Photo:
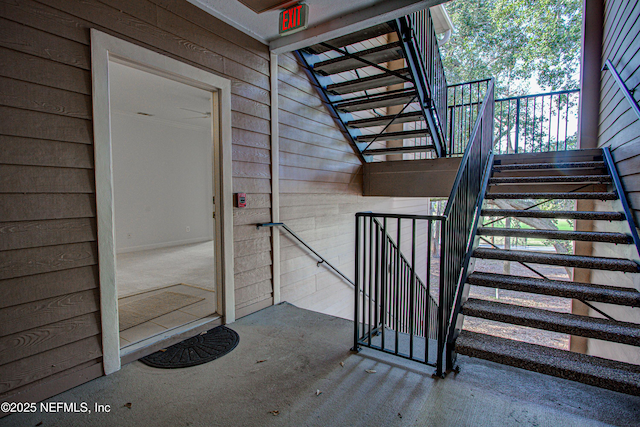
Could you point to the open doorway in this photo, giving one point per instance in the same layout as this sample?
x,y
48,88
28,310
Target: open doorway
x,y
162,138
162,155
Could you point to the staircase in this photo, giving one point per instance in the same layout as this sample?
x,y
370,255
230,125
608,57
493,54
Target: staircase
x,y
383,91
571,175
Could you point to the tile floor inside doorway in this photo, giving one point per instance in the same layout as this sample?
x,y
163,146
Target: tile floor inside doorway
x,y
187,269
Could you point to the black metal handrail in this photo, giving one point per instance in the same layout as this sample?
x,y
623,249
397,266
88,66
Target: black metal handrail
x,y
608,65
617,184
323,260
422,54
461,218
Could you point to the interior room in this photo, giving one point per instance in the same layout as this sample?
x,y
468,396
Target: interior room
x,y
162,156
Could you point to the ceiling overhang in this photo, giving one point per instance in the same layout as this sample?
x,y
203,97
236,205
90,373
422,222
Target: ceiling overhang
x,y
355,21
328,19
259,6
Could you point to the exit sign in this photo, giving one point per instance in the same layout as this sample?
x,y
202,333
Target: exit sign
x,y
294,19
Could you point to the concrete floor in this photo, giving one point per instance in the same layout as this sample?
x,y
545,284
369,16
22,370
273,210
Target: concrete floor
x,y
286,354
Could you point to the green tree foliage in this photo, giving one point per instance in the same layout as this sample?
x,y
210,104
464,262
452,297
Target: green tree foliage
x,y
515,41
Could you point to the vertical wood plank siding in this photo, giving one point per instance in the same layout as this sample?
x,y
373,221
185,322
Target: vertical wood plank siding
x,y
49,298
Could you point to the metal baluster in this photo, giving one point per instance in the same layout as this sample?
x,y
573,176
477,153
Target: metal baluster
x,y
384,279
550,110
566,123
558,125
462,119
378,276
500,125
357,286
541,123
427,298
398,238
371,270
517,124
412,286
526,124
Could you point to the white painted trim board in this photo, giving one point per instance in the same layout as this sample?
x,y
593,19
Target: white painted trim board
x,y
105,48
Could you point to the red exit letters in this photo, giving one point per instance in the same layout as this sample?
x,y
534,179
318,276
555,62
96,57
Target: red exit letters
x,y
294,19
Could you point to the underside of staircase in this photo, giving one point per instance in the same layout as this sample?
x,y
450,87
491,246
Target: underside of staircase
x,y
534,178
372,82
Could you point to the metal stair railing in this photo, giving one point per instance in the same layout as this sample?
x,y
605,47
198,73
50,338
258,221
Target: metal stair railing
x,y
323,260
617,184
420,46
534,123
394,309
608,65
422,290
611,165
459,226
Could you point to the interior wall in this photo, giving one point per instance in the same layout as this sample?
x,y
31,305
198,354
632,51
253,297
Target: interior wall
x,y
619,129
320,193
162,177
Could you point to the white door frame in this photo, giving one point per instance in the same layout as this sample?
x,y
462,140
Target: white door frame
x,y
106,48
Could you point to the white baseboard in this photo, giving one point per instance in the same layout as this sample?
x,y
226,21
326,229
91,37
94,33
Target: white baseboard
x,y
164,245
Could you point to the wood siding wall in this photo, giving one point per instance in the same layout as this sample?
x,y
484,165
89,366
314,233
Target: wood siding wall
x,y
320,192
620,130
619,124
49,298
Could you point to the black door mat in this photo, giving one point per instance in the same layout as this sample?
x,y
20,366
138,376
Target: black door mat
x,y
194,351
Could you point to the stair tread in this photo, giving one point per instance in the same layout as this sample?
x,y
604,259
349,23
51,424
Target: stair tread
x,y
369,82
554,179
413,116
398,150
563,165
564,289
567,323
587,236
368,103
531,213
378,54
349,39
417,133
598,263
592,370
596,195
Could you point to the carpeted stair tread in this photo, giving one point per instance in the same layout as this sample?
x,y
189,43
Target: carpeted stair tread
x,y
531,213
595,195
585,236
563,165
598,263
550,179
565,323
596,371
578,290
